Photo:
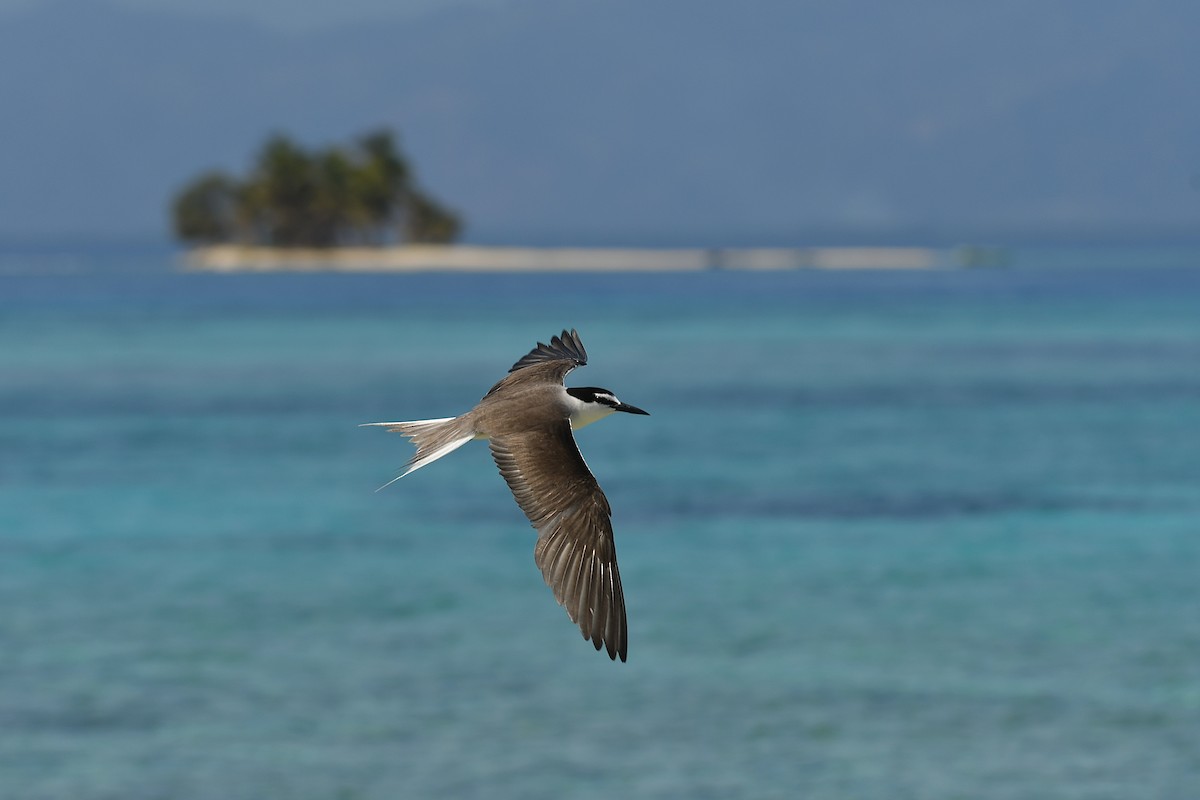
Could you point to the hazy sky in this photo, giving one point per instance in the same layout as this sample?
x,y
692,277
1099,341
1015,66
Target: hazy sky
x,y
292,15
617,121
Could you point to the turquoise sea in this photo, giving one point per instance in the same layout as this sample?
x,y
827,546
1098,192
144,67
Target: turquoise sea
x,y
886,535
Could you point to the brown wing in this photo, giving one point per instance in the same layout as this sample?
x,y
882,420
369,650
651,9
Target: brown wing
x,y
546,362
575,548
567,347
534,375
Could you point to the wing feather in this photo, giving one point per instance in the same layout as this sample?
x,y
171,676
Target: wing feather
x,y
600,601
567,347
575,550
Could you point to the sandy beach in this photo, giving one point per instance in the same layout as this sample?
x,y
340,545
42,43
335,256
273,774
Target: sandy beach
x,y
476,258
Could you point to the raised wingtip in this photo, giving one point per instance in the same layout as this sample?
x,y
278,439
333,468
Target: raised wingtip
x,y
565,347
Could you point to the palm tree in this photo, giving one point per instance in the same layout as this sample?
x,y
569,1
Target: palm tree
x,y
289,191
382,182
334,204
204,210
426,222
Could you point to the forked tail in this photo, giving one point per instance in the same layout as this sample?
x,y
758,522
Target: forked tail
x,y
434,438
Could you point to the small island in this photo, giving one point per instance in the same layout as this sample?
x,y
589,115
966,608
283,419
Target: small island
x,y
361,195
358,208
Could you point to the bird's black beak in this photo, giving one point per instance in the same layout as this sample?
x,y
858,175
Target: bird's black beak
x,y
628,409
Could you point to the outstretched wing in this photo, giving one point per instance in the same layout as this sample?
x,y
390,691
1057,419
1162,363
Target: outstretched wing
x,y
575,549
567,347
546,362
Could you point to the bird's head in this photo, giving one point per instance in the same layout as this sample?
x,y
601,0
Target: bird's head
x,y
591,403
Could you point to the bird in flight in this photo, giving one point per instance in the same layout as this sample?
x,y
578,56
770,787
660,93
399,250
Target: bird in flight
x,y
527,419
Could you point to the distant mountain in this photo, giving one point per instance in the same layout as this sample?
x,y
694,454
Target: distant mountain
x,y
640,121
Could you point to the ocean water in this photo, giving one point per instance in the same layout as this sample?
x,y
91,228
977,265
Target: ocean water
x,y
884,536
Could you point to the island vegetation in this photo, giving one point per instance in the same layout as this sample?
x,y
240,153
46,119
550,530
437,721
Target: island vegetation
x,y
363,194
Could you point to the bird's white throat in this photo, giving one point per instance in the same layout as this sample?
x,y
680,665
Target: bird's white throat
x,y
582,413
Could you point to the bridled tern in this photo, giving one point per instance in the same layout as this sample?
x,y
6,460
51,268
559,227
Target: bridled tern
x,y
527,419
